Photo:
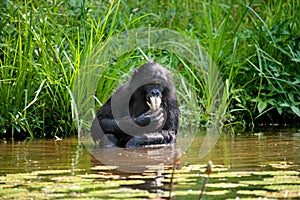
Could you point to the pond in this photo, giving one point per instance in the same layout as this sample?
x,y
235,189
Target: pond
x,y
256,165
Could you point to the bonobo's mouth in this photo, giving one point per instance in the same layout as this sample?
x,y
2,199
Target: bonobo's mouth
x,y
154,103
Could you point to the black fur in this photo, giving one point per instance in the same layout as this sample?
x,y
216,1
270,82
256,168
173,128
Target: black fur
x,y
140,126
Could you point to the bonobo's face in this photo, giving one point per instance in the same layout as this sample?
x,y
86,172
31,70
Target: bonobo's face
x,y
154,96
154,90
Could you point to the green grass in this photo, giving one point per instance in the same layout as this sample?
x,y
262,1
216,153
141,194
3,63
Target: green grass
x,y
254,44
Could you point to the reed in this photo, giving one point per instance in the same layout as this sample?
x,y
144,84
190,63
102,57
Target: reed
x,y
254,44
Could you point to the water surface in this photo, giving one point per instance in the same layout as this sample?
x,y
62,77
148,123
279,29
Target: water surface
x,y
149,170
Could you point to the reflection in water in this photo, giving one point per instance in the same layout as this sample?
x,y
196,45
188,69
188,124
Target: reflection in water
x,y
136,160
150,162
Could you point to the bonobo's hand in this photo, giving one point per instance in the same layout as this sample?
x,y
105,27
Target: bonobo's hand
x,y
155,118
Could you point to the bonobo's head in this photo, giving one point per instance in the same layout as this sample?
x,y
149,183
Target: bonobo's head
x,y
155,80
151,72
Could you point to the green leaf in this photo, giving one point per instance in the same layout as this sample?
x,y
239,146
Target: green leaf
x,y
291,97
17,127
296,110
261,106
284,104
279,110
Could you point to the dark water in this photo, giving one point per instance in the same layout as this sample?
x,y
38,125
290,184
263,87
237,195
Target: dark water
x,y
243,152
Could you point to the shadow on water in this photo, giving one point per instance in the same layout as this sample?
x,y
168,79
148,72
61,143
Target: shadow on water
x,y
261,164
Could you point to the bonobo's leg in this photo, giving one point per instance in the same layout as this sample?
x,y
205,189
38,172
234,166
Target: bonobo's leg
x,y
161,137
113,133
156,118
108,140
109,125
100,128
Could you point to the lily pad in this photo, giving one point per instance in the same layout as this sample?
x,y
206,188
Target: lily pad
x,y
68,179
130,182
225,185
187,192
252,192
100,176
126,193
284,187
8,191
282,165
19,176
103,168
51,172
6,186
201,168
255,182
284,180
276,173
230,174
217,192
142,177
121,193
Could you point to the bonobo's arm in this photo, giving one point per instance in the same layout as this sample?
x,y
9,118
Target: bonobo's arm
x,y
156,118
119,137
167,134
110,125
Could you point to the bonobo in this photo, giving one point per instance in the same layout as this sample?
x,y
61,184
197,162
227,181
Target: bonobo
x,y
142,112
